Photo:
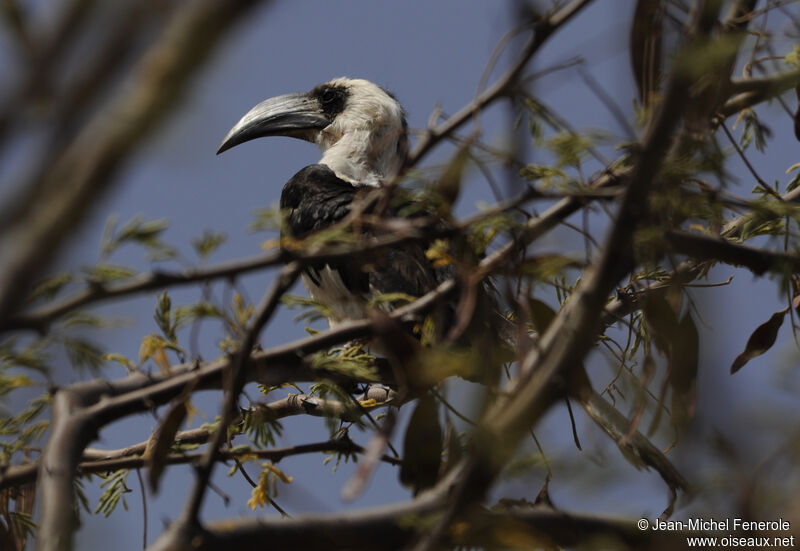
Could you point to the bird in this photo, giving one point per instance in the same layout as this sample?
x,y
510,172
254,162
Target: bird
x,y
362,132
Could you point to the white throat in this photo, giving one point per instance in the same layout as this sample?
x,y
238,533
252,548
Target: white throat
x,y
363,157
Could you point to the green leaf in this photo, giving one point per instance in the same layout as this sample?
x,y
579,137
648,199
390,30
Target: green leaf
x,y
793,183
208,243
80,493
50,287
569,148
550,176
541,314
83,354
267,219
33,356
83,319
313,309
24,527
196,311
120,359
327,389
163,316
352,362
754,131
115,489
390,299
137,230
548,266
100,274
261,426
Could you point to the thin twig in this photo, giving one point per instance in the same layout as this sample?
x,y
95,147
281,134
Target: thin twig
x,y
144,508
236,380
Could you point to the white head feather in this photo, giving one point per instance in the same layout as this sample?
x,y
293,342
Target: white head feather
x,y
366,143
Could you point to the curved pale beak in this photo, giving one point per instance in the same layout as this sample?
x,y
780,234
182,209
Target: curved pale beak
x,y
293,115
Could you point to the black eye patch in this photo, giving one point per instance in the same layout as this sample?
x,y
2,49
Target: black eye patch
x,y
331,98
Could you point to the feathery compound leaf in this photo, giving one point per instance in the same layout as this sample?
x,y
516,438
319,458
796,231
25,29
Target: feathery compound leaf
x,y
83,354
199,310
261,426
753,131
353,362
312,309
326,389
23,524
207,243
100,274
569,148
163,316
115,489
50,287
550,176
390,299
33,356
761,340
136,230
268,219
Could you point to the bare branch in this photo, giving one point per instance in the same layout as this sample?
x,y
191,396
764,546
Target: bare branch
x,y
707,247
236,378
542,31
87,168
758,90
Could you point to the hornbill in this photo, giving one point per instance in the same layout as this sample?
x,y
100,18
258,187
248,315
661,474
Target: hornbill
x,y
362,132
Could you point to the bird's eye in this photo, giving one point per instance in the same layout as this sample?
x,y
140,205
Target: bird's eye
x,y
328,96
331,99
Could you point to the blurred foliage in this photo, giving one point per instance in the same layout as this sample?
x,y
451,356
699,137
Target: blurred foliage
x,y
653,350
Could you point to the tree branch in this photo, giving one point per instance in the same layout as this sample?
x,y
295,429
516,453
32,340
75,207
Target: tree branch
x,y
88,166
396,526
543,30
707,247
236,378
562,347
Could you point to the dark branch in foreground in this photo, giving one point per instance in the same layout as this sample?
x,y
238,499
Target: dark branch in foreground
x,y
87,168
754,259
397,526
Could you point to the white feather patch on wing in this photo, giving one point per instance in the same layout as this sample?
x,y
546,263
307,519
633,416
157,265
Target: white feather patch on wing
x,y
333,293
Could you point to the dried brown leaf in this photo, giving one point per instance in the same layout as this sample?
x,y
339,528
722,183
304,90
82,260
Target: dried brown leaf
x,y
156,460
422,447
761,340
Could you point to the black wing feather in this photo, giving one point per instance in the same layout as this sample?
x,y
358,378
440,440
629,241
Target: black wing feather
x,y
316,198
